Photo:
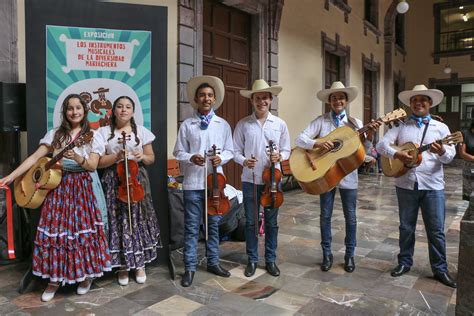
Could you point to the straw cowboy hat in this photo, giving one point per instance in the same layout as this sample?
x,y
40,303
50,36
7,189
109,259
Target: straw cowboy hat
x,y
260,85
338,86
434,94
214,82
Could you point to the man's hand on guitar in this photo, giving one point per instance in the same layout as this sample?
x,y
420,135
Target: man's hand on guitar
x,y
250,163
373,127
197,160
403,156
437,148
325,145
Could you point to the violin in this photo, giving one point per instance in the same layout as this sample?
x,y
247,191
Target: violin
x,y
272,196
130,189
217,202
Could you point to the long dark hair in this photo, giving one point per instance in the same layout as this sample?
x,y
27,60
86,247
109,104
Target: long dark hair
x,y
62,135
113,119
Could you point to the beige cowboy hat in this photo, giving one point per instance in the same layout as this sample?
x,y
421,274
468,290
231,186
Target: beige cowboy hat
x,y
260,85
420,89
214,82
338,86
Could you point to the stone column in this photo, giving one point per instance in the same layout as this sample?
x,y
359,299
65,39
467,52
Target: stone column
x,y
465,279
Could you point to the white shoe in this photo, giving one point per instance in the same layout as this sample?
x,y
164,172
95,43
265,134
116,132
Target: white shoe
x,y
123,277
141,279
49,292
84,286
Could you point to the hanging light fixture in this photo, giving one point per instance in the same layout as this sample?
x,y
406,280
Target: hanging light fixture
x,y
402,7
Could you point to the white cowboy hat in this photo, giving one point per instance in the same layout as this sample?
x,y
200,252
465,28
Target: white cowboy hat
x,y
338,86
260,85
214,82
420,89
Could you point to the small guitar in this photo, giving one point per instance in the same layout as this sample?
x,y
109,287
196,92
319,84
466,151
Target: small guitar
x,y
32,187
396,168
319,171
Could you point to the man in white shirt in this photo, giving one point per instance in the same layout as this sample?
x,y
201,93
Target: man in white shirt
x,y
196,136
251,140
338,97
423,186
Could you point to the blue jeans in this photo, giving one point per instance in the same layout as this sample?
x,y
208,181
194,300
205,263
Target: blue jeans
x,y
432,207
349,204
271,226
193,214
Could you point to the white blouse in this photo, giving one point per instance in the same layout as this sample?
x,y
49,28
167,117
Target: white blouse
x,y
95,146
113,146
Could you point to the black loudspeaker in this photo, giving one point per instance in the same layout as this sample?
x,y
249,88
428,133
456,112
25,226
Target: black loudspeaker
x,y
12,106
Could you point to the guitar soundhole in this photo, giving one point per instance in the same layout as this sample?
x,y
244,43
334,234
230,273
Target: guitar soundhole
x,y
37,175
337,145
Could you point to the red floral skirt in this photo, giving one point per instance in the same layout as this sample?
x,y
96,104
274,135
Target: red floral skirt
x,y
71,244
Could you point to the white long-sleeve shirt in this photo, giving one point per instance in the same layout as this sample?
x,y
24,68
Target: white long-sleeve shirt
x,y
252,138
429,174
322,126
193,140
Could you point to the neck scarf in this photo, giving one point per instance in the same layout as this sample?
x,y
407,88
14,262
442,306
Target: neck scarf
x,y
420,120
206,119
337,118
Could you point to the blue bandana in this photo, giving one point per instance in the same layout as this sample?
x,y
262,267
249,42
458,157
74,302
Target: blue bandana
x,y
337,118
206,119
420,120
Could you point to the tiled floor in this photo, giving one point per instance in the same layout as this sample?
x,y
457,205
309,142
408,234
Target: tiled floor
x,y
302,287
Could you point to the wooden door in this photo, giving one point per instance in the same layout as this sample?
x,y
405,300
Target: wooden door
x,y
226,54
450,108
332,72
368,96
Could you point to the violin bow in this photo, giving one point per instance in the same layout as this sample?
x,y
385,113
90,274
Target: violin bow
x,y
255,203
205,195
124,135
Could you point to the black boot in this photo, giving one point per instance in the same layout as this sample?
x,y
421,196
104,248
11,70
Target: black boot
x,y
349,264
327,263
218,270
187,279
272,268
250,269
399,270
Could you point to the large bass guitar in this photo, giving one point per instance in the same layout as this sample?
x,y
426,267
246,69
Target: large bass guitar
x,y
32,187
396,168
318,170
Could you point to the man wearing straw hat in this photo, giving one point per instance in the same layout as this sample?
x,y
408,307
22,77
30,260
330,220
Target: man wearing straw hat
x,y
196,136
251,139
423,186
338,97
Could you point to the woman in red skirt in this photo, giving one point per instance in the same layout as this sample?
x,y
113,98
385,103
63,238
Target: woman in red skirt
x,y
71,245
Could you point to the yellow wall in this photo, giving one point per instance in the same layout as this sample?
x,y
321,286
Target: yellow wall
x,y
420,46
172,116
301,62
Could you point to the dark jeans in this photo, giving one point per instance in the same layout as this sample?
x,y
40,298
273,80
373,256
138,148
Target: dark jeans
x,y
193,213
271,226
432,207
349,204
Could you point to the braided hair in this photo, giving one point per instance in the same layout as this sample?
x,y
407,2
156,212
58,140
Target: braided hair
x,y
62,135
113,119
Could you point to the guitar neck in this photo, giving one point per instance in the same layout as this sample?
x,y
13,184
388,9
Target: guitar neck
x,y
59,156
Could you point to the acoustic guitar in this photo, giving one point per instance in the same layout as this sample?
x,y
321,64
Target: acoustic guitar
x,y
396,168
32,187
319,171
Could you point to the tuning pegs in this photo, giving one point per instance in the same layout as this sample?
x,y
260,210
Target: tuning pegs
x,y
396,123
389,125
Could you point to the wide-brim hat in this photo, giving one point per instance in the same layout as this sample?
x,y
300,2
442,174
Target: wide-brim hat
x,y
434,94
101,90
214,82
337,86
261,85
